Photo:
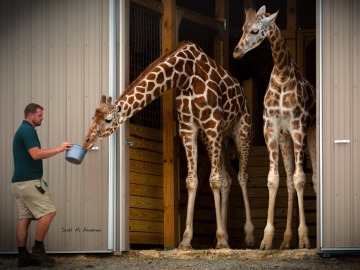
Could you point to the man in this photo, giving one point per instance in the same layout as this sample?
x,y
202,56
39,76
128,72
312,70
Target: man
x,y
30,190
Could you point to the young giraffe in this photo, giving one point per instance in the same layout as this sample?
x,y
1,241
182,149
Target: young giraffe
x,y
208,99
289,119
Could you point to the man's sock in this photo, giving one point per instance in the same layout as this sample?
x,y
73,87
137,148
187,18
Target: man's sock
x,y
39,243
22,249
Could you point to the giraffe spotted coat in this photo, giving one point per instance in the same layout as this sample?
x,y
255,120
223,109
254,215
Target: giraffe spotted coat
x,y
289,120
209,101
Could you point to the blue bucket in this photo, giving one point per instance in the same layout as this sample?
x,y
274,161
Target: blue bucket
x,y
76,154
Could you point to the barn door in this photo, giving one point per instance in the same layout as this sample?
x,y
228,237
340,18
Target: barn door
x,y
52,53
339,164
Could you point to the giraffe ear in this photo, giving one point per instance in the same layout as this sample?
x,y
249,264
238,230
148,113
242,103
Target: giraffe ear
x,y
270,19
261,10
117,108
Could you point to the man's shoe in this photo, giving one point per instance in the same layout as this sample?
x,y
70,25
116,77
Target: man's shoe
x,y
25,259
39,253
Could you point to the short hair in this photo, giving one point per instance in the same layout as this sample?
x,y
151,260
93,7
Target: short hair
x,y
32,108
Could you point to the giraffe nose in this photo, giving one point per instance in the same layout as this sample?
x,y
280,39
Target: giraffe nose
x,y
238,53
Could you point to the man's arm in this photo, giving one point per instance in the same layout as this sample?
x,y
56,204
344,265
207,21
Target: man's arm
x,y
37,153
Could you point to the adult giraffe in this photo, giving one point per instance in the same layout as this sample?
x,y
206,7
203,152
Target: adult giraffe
x,y
289,119
208,99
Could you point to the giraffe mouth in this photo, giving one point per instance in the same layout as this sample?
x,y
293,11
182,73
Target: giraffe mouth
x,y
87,144
238,53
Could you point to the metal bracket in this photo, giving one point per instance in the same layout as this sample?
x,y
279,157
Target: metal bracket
x,y
130,143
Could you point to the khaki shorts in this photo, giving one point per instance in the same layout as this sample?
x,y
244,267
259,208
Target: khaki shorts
x,y
31,202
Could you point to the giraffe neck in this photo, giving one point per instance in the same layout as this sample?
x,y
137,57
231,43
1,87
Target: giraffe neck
x,y
160,76
283,62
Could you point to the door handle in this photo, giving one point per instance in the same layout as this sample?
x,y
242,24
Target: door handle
x,y
341,141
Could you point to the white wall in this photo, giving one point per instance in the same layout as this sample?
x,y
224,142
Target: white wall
x,y
340,81
55,53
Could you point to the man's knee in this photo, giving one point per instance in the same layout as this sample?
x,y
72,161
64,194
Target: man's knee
x,y
53,214
49,216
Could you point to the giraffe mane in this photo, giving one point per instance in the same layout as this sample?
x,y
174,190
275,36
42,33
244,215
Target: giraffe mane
x,y
151,67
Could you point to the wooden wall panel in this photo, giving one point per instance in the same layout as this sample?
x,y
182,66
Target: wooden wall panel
x,y
146,215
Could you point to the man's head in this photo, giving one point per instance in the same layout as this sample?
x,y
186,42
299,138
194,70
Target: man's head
x,y
34,114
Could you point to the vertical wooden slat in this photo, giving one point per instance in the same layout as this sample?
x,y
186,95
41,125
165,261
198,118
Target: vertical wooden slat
x,y
170,182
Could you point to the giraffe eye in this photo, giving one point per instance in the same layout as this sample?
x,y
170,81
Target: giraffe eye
x,y
108,120
254,31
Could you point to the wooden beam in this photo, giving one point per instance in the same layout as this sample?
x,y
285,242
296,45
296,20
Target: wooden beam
x,y
199,18
169,30
222,15
153,5
291,25
291,14
249,4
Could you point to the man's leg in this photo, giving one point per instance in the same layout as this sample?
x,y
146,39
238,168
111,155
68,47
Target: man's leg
x,y
38,250
43,226
22,231
24,258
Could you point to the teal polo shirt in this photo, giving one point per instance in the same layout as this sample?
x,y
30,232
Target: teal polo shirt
x,y
25,168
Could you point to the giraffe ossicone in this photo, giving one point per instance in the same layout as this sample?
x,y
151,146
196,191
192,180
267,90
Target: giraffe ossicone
x,y
209,100
289,120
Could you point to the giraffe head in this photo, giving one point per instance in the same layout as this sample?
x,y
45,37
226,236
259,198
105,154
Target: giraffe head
x,y
106,121
255,30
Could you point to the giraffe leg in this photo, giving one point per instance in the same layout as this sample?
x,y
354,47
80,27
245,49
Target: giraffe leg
x,y
248,227
225,190
190,144
221,234
299,182
269,232
220,183
271,138
242,138
191,184
287,150
311,141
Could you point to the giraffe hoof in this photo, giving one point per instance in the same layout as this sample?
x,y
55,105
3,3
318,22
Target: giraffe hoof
x,y
185,247
222,246
305,246
265,246
284,246
250,242
250,245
